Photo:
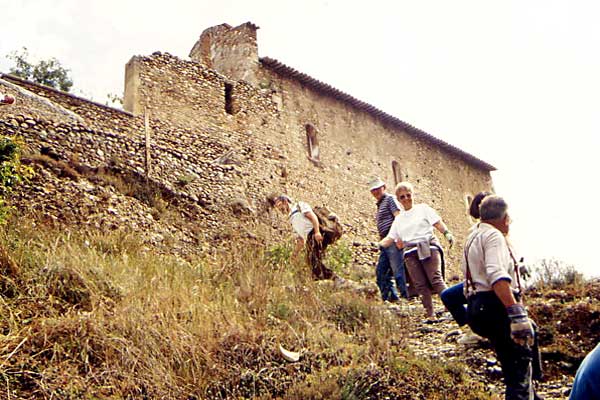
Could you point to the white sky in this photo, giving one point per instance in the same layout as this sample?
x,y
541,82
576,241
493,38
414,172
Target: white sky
x,y
516,83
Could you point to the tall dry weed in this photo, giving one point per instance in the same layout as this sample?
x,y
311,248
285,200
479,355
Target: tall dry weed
x,y
101,316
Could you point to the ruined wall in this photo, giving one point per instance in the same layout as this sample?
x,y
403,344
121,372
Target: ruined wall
x,y
187,93
231,51
95,115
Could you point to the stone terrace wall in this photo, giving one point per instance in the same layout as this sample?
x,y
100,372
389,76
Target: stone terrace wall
x,y
95,115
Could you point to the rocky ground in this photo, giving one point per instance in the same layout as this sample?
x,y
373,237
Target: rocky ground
x,y
568,320
438,342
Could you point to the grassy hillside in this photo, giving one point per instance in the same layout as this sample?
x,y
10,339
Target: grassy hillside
x,y
93,316
107,291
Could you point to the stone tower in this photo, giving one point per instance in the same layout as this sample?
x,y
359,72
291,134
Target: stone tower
x,y
230,51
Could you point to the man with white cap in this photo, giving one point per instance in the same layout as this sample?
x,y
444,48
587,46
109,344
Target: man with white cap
x,y
391,261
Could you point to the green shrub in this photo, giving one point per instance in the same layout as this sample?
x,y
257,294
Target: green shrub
x,y
12,172
279,255
338,256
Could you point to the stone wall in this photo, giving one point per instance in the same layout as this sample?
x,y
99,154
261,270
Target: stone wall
x,y
232,51
217,143
266,131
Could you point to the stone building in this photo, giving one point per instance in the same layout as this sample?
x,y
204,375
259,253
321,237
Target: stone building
x,y
317,142
226,128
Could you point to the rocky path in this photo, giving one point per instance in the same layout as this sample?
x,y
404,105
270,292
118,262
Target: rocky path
x,y
438,341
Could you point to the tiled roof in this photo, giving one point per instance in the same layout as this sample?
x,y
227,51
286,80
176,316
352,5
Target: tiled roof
x,y
329,90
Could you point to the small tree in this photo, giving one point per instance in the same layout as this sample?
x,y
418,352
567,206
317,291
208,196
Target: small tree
x,y
46,72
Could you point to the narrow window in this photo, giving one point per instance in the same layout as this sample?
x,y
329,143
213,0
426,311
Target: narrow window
x,y
228,98
397,172
313,143
468,200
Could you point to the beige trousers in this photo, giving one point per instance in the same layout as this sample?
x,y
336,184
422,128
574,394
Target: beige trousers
x,y
427,276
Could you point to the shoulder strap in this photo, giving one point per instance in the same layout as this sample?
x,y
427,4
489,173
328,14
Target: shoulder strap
x,y
515,266
468,277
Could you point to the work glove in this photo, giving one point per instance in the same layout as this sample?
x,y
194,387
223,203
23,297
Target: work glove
x,y
521,328
523,270
449,238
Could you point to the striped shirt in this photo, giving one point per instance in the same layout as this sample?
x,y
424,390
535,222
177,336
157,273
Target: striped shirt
x,y
386,207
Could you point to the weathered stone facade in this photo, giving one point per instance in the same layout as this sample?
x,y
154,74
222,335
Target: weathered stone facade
x,y
227,128
271,107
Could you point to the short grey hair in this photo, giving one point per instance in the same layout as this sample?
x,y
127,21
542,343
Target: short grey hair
x,y
493,207
404,185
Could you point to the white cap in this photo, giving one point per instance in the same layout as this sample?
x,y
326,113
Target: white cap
x,y
376,183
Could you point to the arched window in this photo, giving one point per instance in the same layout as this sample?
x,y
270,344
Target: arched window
x,y
397,173
313,143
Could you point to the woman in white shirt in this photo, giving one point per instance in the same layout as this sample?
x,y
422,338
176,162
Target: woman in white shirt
x,y
412,230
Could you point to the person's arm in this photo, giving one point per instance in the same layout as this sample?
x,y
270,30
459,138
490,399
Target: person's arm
x,y
441,226
521,328
504,292
386,242
315,223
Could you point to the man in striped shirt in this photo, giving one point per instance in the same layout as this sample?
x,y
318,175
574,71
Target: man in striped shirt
x,y
391,261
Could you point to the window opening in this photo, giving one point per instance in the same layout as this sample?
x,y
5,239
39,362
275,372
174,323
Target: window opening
x,y
229,98
397,172
468,200
313,143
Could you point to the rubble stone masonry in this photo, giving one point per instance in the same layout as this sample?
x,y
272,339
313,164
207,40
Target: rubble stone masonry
x,y
221,136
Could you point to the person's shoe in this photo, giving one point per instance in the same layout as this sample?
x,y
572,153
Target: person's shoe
x,y
470,337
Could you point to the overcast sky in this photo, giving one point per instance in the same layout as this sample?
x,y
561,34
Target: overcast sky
x,y
515,83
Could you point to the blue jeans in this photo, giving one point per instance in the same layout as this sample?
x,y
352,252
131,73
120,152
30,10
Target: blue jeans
x,y
587,379
391,265
455,301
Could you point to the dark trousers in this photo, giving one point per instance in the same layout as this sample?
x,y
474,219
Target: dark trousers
x,y
314,255
486,315
455,301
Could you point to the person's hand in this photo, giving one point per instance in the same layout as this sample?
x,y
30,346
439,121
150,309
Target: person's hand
x,y
449,238
319,237
399,244
521,328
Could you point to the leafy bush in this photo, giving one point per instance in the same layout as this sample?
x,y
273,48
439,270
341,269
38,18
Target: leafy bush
x,y
12,172
338,256
279,254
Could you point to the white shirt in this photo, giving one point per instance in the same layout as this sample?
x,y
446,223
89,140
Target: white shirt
x,y
489,258
301,225
415,224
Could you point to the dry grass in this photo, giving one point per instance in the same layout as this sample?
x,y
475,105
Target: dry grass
x,y
90,316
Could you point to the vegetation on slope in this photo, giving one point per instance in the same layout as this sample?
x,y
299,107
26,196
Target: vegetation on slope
x,y
91,316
